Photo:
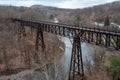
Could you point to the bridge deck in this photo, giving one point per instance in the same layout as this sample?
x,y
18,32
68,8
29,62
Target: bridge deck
x,y
91,35
38,24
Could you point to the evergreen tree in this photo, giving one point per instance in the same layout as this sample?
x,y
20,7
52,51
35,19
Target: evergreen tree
x,y
51,17
107,21
115,67
77,20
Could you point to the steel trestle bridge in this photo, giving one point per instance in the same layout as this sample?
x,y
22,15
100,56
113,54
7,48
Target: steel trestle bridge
x,y
106,38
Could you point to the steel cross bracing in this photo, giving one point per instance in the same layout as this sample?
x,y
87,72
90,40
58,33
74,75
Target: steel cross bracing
x,y
108,39
94,36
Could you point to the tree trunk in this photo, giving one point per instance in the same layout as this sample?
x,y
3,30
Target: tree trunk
x,y
113,76
6,60
29,60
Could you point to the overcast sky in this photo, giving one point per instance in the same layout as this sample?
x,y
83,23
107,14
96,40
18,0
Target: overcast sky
x,y
56,3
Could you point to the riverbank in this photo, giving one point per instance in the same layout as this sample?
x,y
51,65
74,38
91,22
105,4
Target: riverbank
x,y
21,54
102,60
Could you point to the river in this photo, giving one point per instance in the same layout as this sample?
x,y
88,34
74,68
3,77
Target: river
x,y
87,51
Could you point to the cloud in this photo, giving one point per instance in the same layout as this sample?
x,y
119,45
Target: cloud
x,y
109,0
29,3
56,3
26,3
80,3
76,3
69,4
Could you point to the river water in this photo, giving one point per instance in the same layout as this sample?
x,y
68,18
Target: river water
x,y
87,51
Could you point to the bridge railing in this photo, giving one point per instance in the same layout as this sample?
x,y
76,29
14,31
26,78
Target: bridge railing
x,y
105,28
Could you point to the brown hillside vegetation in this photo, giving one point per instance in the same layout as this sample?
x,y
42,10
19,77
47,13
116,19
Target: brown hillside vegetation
x,y
18,54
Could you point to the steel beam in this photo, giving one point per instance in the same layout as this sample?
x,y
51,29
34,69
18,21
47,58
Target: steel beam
x,y
39,40
21,31
76,64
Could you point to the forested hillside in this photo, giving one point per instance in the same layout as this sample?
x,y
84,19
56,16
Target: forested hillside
x,y
98,13
67,16
19,54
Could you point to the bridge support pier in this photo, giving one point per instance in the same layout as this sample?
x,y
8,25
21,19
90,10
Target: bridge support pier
x,y
21,31
39,45
76,65
39,40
